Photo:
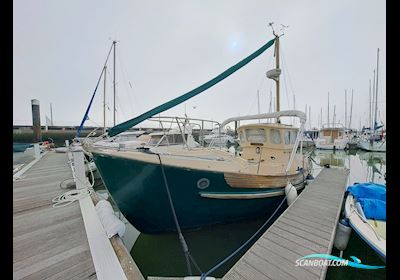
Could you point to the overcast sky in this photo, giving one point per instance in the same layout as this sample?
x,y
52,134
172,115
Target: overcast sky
x,y
166,48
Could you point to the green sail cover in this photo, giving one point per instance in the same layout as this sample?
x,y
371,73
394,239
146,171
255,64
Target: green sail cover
x,y
172,103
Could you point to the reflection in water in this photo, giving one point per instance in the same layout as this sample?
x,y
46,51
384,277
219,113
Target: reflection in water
x,y
161,254
364,166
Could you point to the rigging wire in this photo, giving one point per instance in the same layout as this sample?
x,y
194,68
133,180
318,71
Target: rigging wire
x,y
116,99
135,97
284,80
288,74
122,67
261,83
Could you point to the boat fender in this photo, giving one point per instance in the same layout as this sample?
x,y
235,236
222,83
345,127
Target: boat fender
x,y
291,193
111,224
309,178
102,195
342,237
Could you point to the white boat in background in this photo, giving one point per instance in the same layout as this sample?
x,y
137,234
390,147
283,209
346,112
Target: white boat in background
x,y
219,138
126,140
372,231
332,137
372,146
309,137
375,142
176,136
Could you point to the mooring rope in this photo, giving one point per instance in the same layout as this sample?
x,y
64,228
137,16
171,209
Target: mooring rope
x,y
73,195
182,240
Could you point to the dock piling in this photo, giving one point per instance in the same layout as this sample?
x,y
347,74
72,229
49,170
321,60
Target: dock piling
x,y
37,133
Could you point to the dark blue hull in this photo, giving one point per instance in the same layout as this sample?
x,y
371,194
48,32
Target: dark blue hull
x,y
137,187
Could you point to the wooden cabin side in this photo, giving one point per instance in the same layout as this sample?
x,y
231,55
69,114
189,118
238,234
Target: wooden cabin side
x,y
270,145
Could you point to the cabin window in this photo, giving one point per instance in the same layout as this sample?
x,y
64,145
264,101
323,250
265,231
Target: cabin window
x,y
290,137
293,136
241,136
255,135
275,136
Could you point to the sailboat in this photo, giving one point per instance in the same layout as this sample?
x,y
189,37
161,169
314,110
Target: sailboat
x,y
375,139
206,185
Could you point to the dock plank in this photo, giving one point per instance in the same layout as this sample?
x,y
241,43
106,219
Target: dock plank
x,y
48,243
307,226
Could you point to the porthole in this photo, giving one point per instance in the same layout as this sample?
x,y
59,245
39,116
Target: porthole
x,y
203,183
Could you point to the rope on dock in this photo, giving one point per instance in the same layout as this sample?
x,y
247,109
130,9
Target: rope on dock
x,y
71,196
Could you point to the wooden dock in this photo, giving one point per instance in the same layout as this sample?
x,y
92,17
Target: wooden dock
x,y
48,243
65,242
308,226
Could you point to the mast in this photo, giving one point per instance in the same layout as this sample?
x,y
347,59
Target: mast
x,y
275,73
294,107
334,115
320,124
309,115
305,111
277,67
376,89
328,108
104,100
370,118
114,45
351,108
373,100
345,108
258,103
51,113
